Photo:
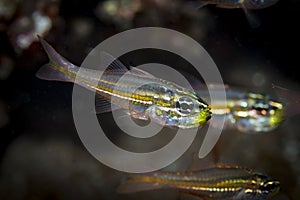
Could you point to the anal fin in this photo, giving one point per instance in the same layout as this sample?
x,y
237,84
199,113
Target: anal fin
x,y
103,105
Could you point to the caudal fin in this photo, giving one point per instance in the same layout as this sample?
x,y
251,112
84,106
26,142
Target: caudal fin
x,y
290,98
138,184
58,68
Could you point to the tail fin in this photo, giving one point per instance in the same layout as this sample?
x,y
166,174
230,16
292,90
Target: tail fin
x,y
138,183
58,68
290,98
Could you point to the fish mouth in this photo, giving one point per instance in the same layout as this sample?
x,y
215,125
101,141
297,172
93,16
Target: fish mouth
x,y
277,118
204,115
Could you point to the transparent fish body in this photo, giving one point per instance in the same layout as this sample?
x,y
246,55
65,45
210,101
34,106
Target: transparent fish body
x,y
246,111
144,96
246,5
222,182
249,4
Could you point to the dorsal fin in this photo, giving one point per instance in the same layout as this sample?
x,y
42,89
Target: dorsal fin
x,y
207,162
116,66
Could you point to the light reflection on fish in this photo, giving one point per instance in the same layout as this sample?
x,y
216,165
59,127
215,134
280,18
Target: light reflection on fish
x,y
222,182
245,111
149,98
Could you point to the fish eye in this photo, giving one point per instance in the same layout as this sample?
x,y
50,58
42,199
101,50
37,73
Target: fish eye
x,y
185,105
269,186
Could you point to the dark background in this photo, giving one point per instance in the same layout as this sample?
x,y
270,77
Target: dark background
x,y
42,156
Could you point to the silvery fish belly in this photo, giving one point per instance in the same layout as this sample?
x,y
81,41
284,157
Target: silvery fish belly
x,y
222,182
245,111
144,96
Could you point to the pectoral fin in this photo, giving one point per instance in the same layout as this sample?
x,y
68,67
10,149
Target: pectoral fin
x,y
253,21
103,105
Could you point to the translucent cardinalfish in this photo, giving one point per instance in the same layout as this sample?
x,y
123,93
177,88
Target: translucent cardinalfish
x,y
246,5
246,111
223,182
144,96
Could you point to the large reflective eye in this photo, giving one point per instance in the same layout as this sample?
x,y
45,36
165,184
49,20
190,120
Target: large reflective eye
x,y
185,105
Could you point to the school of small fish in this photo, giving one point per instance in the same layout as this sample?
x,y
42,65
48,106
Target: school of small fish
x,y
171,105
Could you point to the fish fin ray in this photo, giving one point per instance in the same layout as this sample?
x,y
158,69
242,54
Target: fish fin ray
x,y
57,64
49,72
102,105
290,98
113,64
117,67
252,19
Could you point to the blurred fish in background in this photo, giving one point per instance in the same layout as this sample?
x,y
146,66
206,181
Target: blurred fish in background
x,y
246,5
219,182
245,111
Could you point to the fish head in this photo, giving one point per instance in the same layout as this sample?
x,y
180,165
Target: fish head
x,y
185,110
261,187
263,114
267,187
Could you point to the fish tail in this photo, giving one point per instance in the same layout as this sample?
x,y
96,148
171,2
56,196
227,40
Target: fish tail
x,y
138,184
58,68
290,98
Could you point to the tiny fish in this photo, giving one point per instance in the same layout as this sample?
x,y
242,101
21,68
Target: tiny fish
x,y
246,5
221,182
246,111
144,96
